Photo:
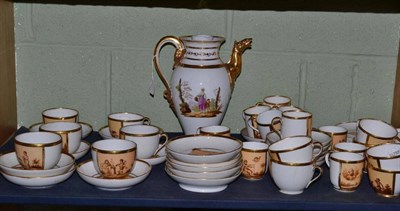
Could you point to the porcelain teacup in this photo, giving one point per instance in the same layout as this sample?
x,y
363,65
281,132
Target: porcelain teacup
x,y
38,150
113,158
147,138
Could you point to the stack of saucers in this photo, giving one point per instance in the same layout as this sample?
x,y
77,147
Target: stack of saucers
x,y
326,142
203,163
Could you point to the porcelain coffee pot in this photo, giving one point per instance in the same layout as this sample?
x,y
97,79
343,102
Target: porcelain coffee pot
x,y
201,84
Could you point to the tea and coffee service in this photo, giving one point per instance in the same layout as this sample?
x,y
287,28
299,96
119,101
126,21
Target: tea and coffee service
x,y
203,163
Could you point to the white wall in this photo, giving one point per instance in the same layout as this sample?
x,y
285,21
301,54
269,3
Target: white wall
x,y
97,59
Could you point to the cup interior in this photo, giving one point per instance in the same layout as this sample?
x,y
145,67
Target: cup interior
x,y
346,156
377,128
113,145
350,147
384,151
290,143
276,99
333,129
60,112
254,110
141,130
125,116
38,138
255,146
60,126
215,129
296,114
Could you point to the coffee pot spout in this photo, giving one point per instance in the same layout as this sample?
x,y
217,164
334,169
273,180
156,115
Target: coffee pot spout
x,y
234,65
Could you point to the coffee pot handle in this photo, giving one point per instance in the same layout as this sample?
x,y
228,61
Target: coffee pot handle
x,y
179,53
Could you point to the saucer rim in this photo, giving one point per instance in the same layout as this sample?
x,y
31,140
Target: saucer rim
x,y
81,123
83,142
44,182
71,169
33,171
80,154
78,169
102,134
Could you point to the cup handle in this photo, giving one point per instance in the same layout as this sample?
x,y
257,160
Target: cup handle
x,y
198,130
163,145
318,145
278,119
146,121
259,103
318,176
251,125
328,154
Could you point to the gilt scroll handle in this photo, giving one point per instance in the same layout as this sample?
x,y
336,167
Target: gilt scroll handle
x,y
179,53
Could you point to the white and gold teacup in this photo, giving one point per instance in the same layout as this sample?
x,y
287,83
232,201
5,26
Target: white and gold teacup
x,y
70,132
118,120
113,158
60,115
38,150
146,137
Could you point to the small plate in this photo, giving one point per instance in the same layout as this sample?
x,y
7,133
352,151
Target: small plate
x,y
82,150
39,182
89,174
157,159
246,136
86,128
9,164
105,132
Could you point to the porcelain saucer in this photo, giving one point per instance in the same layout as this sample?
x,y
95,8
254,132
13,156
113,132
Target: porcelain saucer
x,y
89,174
39,182
160,157
9,164
86,128
246,136
105,132
82,150
203,185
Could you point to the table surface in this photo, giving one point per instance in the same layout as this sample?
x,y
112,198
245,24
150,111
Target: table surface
x,y
159,190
